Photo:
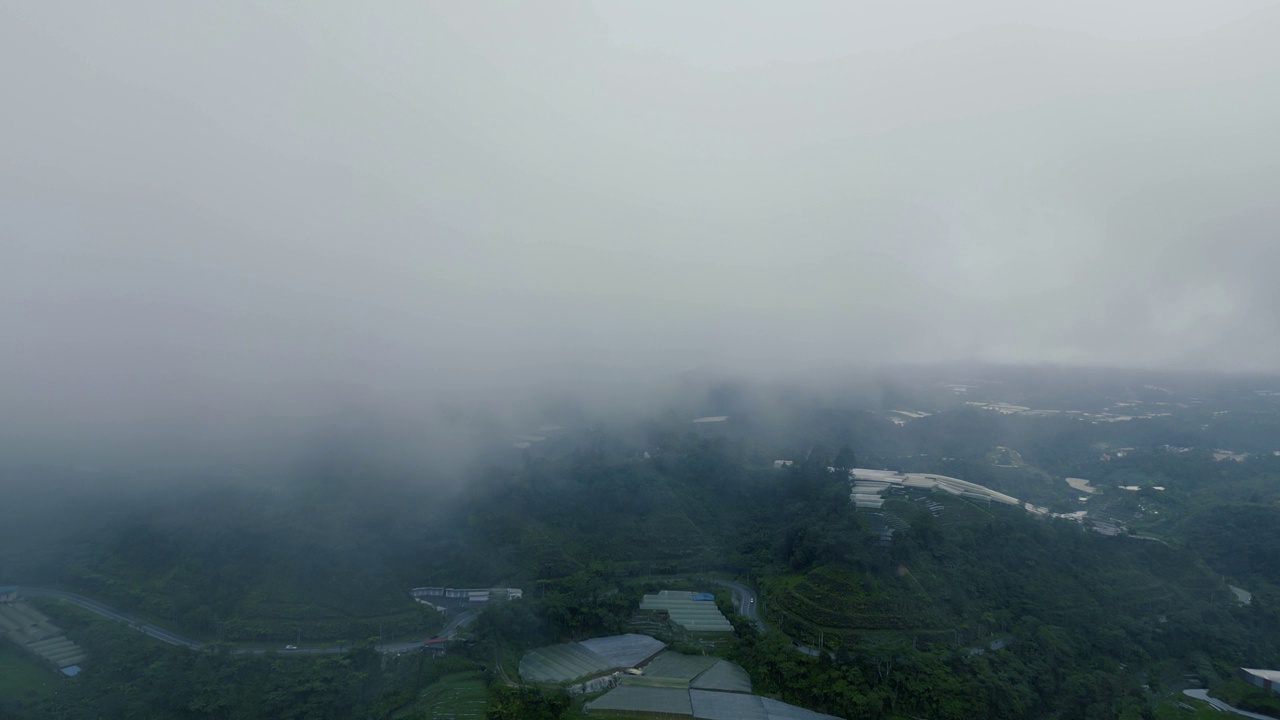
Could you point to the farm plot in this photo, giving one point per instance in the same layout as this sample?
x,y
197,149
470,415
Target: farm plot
x,y
461,696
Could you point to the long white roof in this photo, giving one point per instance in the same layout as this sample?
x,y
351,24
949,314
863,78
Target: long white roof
x,y
955,486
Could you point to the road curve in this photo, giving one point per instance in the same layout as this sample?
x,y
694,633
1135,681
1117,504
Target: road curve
x,y
450,631
744,599
1222,706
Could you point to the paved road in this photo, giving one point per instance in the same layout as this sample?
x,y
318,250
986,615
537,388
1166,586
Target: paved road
x,y
450,631
744,599
458,623
1204,695
94,606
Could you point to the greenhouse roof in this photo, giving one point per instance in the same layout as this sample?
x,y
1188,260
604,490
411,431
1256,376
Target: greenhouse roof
x,y
685,611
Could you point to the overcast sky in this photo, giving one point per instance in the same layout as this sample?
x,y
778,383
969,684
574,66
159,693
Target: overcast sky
x,y
231,205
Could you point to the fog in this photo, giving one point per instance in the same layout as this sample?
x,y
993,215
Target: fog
x,y
234,222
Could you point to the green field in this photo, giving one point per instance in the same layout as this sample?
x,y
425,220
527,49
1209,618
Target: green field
x,y
461,696
22,679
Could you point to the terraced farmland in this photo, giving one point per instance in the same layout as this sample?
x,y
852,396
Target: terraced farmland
x,y
835,601
959,511
461,696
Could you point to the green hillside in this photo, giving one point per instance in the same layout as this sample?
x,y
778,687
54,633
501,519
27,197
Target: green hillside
x,y
930,606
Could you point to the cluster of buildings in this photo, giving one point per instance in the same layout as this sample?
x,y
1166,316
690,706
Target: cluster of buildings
x,y
477,595
693,612
30,630
901,417
869,486
643,679
589,659
444,599
1077,516
1123,414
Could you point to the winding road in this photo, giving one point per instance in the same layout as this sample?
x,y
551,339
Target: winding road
x,y
744,599
450,630
1221,706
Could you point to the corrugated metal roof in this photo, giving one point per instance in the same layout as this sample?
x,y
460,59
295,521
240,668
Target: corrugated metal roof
x,y
1272,675
724,676
695,615
626,650
633,698
713,705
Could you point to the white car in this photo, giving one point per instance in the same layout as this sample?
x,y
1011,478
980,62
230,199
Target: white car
x,y
290,647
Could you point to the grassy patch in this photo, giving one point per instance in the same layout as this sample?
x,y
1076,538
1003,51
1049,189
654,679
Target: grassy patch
x,y
845,602
23,679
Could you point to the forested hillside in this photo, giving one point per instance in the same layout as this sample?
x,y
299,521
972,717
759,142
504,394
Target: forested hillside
x,y
931,605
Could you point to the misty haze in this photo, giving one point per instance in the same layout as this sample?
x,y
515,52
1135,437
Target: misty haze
x,y
639,360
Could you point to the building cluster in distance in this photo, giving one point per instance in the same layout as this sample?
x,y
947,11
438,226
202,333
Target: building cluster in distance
x,y
30,630
471,594
1119,412
869,486
693,612
476,595
644,679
